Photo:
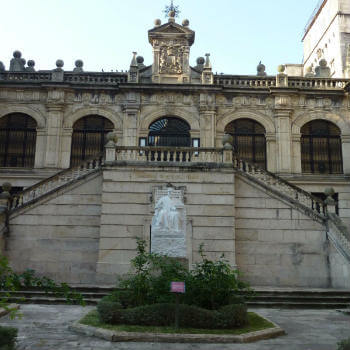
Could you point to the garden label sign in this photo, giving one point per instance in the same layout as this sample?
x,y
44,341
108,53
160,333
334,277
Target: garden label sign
x,y
177,287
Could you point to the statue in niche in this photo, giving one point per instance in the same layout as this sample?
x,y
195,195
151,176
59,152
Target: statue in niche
x,y
168,229
166,216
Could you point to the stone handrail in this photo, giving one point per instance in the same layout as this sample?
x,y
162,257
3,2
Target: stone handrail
x,y
99,78
245,82
25,76
236,81
169,154
54,182
311,205
317,83
339,236
96,78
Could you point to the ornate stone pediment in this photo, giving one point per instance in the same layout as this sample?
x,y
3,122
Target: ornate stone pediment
x,y
171,44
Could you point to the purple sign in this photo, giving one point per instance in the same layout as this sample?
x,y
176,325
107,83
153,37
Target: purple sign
x,y
177,287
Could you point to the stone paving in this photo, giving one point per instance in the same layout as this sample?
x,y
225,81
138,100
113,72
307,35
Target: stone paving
x,y
45,327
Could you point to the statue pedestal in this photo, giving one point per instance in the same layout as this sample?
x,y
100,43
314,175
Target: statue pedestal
x,y
172,244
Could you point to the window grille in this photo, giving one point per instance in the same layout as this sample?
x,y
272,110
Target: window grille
x,y
89,137
17,140
321,148
248,140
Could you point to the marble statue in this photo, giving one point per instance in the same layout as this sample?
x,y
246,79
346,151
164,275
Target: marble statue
x,y
168,234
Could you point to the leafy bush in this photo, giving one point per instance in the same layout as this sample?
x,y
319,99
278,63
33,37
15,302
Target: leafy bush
x,y
344,344
210,285
11,281
151,280
164,315
8,337
107,307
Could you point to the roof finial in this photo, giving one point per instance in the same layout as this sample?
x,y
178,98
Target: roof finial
x,y
172,11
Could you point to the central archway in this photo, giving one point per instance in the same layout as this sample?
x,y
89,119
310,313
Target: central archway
x,y
169,131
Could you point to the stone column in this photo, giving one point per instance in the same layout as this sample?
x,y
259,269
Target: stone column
x,y
40,148
284,144
207,127
345,139
131,111
271,151
296,153
4,204
54,122
66,148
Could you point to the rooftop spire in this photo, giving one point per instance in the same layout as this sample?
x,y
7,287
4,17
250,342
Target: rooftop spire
x,y
174,10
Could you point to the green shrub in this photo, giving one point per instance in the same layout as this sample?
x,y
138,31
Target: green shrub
x,y
163,314
210,285
107,307
213,284
11,281
151,281
8,337
344,344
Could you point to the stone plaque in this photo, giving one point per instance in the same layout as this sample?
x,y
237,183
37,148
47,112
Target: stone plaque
x,y
168,230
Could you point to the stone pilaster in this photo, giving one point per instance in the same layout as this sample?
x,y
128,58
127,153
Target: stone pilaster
x,y
284,142
345,140
296,153
54,123
207,126
271,151
66,146
40,148
131,110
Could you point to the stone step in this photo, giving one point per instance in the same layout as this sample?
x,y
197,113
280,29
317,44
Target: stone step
x,y
331,299
297,305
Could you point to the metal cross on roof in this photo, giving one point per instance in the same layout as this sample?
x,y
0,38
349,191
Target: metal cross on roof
x,y
171,7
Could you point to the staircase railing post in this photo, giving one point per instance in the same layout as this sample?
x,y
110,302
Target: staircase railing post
x,y
110,147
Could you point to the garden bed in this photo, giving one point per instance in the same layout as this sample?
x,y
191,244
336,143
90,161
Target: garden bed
x,y
258,328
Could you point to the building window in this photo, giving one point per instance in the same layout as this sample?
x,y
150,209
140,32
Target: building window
x,y
321,148
169,131
248,140
89,138
17,141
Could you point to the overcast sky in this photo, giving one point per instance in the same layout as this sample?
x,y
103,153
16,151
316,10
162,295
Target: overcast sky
x,y
103,33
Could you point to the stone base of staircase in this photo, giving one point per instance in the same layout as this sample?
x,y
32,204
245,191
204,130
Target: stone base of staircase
x,y
265,297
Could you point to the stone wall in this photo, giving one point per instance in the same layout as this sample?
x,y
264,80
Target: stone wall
x,y
340,269
277,245
58,236
127,212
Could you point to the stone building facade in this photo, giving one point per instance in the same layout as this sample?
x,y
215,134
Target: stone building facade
x,y
261,205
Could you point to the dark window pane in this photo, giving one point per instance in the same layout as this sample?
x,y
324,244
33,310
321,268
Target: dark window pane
x,y
89,137
249,140
169,131
321,148
17,140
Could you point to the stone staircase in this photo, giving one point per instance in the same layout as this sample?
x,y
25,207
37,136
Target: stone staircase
x,y
55,182
264,298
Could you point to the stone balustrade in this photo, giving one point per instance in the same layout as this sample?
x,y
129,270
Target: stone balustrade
x,y
52,183
234,81
313,206
270,81
170,154
99,78
245,82
338,236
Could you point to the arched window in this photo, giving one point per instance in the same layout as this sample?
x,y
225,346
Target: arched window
x,y
17,140
321,148
248,140
169,131
88,138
